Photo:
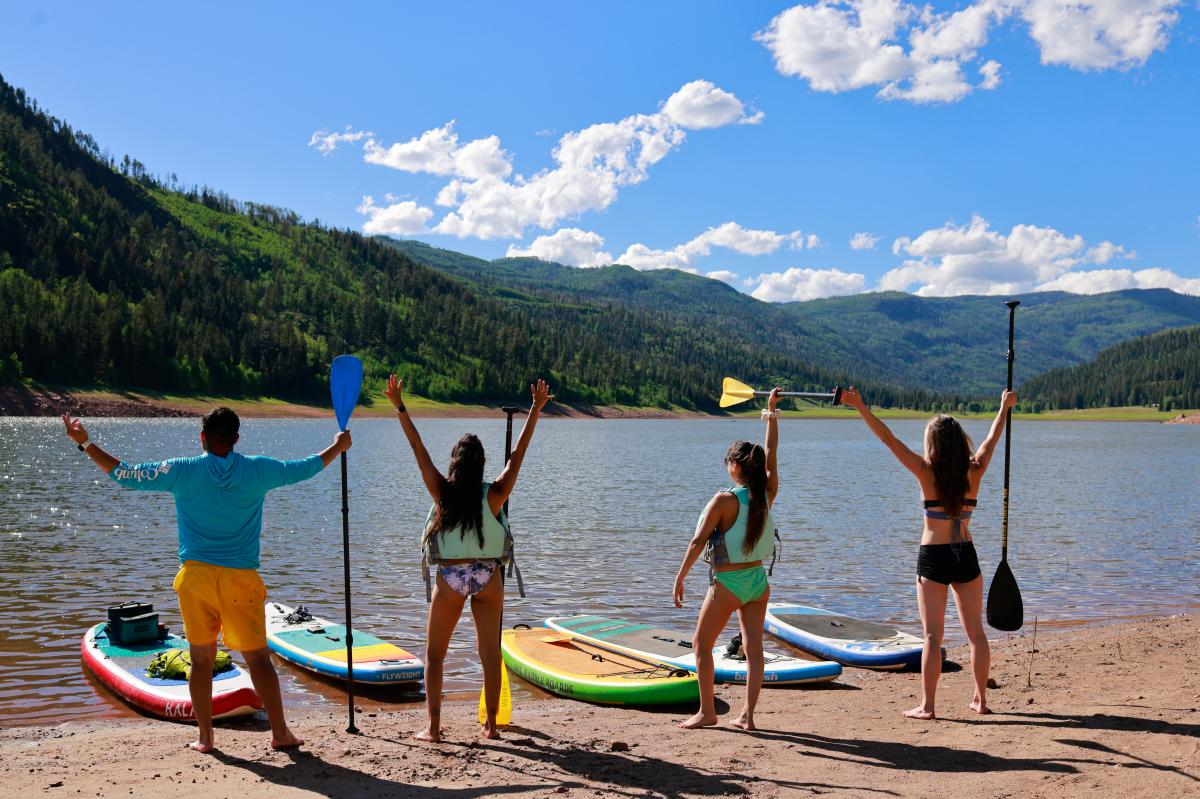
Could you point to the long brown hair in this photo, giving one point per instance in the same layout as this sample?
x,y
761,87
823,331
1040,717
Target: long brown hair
x,y
753,463
460,504
948,448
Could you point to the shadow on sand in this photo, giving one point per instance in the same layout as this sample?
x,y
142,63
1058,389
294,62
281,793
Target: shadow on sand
x,y
309,772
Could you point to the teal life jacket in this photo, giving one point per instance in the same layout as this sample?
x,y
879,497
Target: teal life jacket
x,y
727,547
460,544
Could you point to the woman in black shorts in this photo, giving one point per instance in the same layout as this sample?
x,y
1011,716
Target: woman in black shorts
x,y
949,476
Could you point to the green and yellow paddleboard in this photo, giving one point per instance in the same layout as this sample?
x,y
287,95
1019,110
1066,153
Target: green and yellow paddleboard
x,y
578,669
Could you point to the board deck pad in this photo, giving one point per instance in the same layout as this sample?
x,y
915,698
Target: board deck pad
x,y
329,642
320,645
647,640
136,657
578,657
844,628
642,637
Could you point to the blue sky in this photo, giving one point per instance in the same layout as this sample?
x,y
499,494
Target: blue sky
x,y
985,147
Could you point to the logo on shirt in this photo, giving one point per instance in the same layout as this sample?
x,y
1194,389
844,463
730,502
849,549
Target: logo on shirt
x,y
123,472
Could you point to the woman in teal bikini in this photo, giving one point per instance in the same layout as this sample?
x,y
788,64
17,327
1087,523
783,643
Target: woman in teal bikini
x,y
467,537
737,527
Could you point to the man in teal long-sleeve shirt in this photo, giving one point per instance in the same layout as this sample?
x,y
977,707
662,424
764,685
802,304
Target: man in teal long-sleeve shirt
x,y
218,505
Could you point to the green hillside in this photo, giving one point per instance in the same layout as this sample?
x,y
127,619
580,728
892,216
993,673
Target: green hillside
x,y
961,341
1161,369
947,344
110,277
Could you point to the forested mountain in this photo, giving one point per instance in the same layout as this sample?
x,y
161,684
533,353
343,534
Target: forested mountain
x,y
109,276
961,341
1161,369
947,344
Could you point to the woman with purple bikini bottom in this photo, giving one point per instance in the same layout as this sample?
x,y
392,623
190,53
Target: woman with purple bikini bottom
x,y
466,535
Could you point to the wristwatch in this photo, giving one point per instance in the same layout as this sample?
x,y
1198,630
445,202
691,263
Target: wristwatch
x,y
86,443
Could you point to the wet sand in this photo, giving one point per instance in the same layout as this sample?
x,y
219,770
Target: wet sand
x,y
1109,711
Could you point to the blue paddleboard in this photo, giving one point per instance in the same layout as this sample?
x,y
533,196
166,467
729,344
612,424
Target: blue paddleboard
x,y
849,641
319,645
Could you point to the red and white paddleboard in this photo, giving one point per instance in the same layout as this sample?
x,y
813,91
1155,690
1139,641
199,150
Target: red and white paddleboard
x,y
122,668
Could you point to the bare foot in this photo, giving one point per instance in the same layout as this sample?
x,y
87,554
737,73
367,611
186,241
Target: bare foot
x,y
491,733
202,746
429,734
285,741
980,706
919,713
744,722
697,721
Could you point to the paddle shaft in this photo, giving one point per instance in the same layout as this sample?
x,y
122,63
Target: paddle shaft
x,y
832,396
353,730
1012,315
581,642
509,411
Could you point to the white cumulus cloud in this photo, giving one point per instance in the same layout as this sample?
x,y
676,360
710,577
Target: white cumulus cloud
x,y
591,165
1099,34
730,236
327,141
438,152
724,275
976,259
914,53
863,241
806,284
568,245
404,218
700,104
1096,281
1105,251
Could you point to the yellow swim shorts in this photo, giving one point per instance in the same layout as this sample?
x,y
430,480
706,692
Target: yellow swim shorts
x,y
219,600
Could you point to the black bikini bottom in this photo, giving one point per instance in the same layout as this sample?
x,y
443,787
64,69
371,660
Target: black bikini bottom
x,y
939,563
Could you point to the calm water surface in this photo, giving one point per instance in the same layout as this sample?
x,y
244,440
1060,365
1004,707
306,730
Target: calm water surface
x,y
1104,522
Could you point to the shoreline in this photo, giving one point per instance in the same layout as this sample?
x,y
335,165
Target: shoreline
x,y
1098,709
46,401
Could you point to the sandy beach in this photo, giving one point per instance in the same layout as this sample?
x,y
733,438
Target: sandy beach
x,y
1111,711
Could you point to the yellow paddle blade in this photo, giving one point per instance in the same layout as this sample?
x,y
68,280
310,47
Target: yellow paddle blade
x,y
504,712
734,391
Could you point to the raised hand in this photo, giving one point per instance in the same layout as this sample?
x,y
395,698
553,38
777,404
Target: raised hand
x,y
342,441
395,391
853,399
541,394
773,398
1008,399
75,430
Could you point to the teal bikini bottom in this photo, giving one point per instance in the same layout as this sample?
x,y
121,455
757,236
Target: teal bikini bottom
x,y
746,584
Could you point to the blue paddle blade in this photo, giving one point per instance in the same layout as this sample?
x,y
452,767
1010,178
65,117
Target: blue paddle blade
x,y
345,384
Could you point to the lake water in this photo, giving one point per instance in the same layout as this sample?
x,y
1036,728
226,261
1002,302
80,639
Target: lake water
x,y
1104,523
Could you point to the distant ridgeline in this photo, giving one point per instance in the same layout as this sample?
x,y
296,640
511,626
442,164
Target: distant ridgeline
x,y
954,345
1160,369
108,276
111,276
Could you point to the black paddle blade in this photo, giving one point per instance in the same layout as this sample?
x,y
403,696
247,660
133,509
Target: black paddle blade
x,y
1004,608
